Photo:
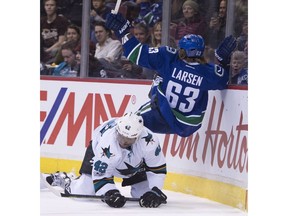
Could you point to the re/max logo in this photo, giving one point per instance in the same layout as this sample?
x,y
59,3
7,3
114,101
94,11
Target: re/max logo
x,y
92,111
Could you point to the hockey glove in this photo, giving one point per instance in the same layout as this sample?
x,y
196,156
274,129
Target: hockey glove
x,y
118,24
223,52
114,199
153,198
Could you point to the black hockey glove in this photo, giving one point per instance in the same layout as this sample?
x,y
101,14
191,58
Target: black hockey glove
x,y
153,198
118,24
225,49
114,199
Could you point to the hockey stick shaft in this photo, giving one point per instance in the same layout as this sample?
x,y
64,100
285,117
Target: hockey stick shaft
x,y
100,197
117,6
59,194
94,197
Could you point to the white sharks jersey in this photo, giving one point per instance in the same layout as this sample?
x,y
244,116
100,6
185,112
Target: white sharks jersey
x,y
111,160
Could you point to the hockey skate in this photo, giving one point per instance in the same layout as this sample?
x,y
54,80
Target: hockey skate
x,y
60,179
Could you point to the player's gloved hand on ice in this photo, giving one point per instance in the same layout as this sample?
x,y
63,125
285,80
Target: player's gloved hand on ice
x,y
225,49
114,199
153,198
118,24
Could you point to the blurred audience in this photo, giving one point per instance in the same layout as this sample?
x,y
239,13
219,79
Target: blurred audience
x,y
192,22
74,11
217,26
73,33
69,67
238,68
60,41
156,36
98,12
52,28
176,10
142,33
106,47
94,68
243,37
240,15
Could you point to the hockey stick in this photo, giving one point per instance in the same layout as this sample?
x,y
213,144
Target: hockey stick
x,y
94,197
116,9
60,194
103,197
100,197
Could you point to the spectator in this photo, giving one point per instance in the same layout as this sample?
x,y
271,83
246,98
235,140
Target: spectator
x,y
98,12
209,54
95,67
106,47
217,25
108,51
239,73
132,70
110,4
52,28
69,67
240,15
142,33
176,10
156,36
74,11
73,33
243,37
192,21
43,69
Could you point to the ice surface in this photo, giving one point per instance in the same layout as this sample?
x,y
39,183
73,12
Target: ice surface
x,y
178,204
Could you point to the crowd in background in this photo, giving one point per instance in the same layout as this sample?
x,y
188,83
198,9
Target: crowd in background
x,y
60,35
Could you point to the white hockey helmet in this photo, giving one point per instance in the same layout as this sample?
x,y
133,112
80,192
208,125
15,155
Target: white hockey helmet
x,y
130,125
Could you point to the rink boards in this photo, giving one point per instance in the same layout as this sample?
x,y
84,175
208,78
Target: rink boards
x,y
212,163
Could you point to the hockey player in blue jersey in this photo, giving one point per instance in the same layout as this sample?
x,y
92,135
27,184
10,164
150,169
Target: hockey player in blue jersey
x,y
178,103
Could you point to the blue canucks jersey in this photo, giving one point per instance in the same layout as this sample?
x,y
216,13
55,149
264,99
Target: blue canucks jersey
x,y
182,94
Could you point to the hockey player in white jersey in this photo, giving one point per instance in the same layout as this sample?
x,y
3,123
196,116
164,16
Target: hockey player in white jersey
x,y
122,148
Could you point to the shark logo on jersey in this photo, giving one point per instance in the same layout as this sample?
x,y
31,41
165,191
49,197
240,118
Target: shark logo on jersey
x,y
109,125
106,152
130,171
158,150
148,139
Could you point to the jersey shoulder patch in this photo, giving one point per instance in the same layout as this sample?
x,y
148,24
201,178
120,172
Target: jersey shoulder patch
x,y
219,71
